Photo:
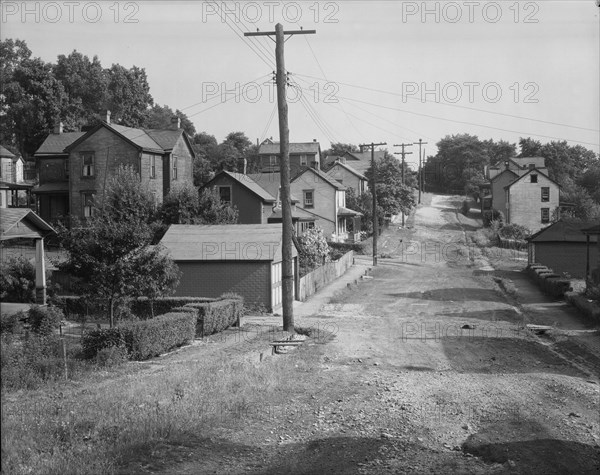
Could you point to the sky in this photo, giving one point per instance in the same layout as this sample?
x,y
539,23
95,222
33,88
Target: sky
x,y
375,71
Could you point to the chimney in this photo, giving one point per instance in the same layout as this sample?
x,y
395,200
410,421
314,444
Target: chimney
x,y
245,166
58,128
175,123
107,119
506,164
314,140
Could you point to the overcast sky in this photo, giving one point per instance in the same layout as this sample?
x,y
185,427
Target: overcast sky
x,y
381,71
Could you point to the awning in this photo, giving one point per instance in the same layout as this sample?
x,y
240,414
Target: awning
x,y
52,188
347,212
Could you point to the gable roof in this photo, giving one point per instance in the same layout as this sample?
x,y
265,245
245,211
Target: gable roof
x,y
271,182
524,162
11,217
562,231
4,152
247,182
224,242
55,144
362,160
321,175
592,230
506,170
349,168
273,148
533,170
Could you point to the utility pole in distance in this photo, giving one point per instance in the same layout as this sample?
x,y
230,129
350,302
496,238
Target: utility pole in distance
x,y
420,142
374,194
403,153
287,296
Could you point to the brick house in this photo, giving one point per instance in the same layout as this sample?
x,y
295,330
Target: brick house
x,y
302,155
325,199
74,167
563,247
349,177
257,199
241,258
531,199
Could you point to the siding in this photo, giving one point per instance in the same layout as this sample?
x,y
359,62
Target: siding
x,y
324,200
498,192
210,279
248,204
348,179
565,257
525,202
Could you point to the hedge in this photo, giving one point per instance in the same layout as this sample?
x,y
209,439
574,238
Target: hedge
x,y
214,317
73,306
160,334
545,278
357,247
144,339
141,307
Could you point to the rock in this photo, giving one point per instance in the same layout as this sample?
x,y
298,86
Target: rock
x,y
574,414
469,327
385,435
376,364
466,427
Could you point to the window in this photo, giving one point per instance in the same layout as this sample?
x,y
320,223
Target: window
x,y
533,178
545,193
174,174
87,169
152,166
303,160
308,198
87,202
66,164
273,160
225,194
545,215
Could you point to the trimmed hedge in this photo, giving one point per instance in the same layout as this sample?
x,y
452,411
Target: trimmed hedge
x,y
160,334
358,247
551,283
141,307
146,338
214,317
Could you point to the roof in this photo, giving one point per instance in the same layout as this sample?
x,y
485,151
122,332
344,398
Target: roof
x,y
523,162
271,182
273,148
7,185
528,172
297,213
323,176
138,137
592,230
506,170
347,212
563,231
11,217
361,161
246,181
55,144
330,160
166,139
4,152
349,168
224,242
52,187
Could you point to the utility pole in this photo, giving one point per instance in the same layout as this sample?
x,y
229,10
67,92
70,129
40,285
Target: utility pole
x,y
403,153
287,296
420,142
374,194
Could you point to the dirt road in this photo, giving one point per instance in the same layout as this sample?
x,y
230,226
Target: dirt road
x,y
430,371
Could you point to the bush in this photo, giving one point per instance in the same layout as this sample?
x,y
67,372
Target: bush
x,y
514,231
142,307
74,307
112,356
466,207
492,215
95,341
214,317
238,306
44,319
314,251
357,247
17,280
10,324
158,335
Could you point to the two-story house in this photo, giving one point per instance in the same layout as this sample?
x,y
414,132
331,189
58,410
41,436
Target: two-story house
x,y
531,199
518,165
257,199
349,177
13,190
361,161
325,199
302,155
74,167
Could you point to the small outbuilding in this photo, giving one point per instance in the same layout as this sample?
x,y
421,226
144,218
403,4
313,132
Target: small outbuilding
x,y
241,258
564,247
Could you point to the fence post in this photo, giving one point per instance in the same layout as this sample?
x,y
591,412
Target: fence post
x,y
64,351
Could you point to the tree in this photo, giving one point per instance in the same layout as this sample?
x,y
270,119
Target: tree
x,y
314,250
181,206
212,211
159,117
109,253
128,95
338,149
529,147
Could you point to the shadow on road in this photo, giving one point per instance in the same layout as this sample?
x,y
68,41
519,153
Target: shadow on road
x,y
451,295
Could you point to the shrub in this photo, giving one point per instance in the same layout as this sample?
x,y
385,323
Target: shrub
x,y
238,306
74,307
95,341
514,231
158,335
357,247
466,207
112,356
214,317
44,319
492,215
142,307
314,251
17,280
11,323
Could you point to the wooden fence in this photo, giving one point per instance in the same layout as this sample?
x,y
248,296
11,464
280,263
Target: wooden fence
x,y
320,277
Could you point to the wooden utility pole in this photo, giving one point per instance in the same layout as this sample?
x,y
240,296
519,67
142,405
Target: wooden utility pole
x,y
420,142
403,153
287,296
374,194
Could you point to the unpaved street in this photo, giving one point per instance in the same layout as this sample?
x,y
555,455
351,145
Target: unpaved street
x,y
430,371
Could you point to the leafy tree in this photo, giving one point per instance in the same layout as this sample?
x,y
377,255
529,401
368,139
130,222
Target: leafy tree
x,y
205,148
181,206
530,147
109,253
128,95
339,149
314,250
17,280
212,211
159,117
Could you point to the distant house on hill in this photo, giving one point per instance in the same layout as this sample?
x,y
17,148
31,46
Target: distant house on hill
x,y
12,186
302,155
518,165
241,258
349,177
74,167
562,246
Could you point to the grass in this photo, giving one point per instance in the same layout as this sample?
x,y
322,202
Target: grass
x,y
97,424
